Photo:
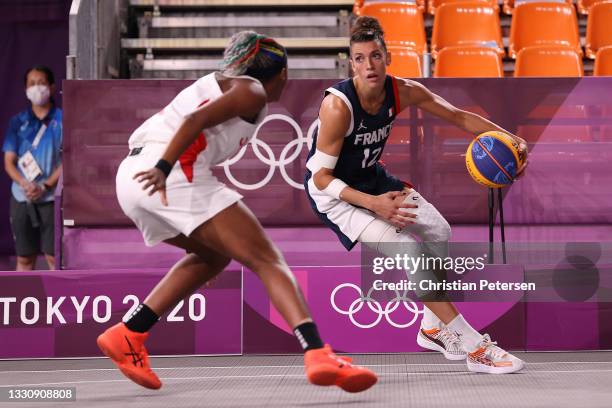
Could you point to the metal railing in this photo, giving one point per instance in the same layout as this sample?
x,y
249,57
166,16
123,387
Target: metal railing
x,y
94,38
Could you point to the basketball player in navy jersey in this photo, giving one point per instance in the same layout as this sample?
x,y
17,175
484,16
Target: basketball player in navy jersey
x,y
354,195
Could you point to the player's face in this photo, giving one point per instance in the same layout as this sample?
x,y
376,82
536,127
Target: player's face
x,y
369,62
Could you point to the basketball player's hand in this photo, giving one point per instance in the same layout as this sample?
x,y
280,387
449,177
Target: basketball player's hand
x,y
155,180
523,155
391,207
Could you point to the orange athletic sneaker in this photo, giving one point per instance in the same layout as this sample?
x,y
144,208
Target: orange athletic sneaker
x,y
126,349
323,367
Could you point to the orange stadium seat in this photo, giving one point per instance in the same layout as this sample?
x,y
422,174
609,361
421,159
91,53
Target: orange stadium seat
x,y
541,23
405,62
432,5
402,23
357,7
583,6
468,62
509,5
603,62
467,23
599,28
548,61
360,3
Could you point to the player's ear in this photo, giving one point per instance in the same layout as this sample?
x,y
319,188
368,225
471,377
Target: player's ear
x,y
352,64
388,61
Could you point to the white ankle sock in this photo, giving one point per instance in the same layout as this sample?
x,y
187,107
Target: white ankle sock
x,y
470,338
430,320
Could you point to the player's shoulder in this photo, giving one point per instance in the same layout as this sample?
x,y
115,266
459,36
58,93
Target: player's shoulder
x,y
410,91
408,84
337,97
246,92
240,86
249,85
335,106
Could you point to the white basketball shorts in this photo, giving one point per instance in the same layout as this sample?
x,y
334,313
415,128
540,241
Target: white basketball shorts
x,y
190,204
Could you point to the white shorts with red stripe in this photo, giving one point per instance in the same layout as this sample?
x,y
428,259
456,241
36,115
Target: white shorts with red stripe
x,y
194,195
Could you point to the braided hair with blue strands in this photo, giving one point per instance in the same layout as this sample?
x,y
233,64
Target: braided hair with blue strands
x,y
255,55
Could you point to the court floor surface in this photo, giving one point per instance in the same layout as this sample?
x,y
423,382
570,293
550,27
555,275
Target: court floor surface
x,y
567,379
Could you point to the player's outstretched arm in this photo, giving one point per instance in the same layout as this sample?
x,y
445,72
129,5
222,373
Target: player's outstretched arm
x,y
414,93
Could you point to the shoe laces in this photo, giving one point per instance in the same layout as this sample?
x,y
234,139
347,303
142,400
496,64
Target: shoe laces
x,y
451,337
491,348
342,360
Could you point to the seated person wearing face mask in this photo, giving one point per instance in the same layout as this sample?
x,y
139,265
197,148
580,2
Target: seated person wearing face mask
x,y
32,159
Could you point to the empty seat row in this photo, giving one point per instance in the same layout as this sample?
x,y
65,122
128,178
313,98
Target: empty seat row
x,y
508,6
476,23
583,6
474,61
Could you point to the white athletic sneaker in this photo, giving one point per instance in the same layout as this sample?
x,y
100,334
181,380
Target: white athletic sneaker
x,y
488,358
442,340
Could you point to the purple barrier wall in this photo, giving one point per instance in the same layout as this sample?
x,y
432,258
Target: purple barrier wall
x,y
60,313
351,325
384,324
43,313
40,26
567,121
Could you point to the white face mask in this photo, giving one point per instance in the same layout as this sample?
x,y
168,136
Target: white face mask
x,y
38,94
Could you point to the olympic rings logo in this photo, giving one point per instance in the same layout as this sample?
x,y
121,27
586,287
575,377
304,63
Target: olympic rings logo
x,y
264,153
375,306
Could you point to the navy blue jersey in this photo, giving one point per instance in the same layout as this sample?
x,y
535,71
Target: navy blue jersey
x,y
358,163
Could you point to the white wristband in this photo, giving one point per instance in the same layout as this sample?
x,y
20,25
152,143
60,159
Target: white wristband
x,y
335,188
321,159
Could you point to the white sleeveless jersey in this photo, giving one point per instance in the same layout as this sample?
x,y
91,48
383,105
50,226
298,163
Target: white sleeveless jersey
x,y
214,145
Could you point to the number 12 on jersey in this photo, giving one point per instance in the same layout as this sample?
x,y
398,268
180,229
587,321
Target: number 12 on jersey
x,y
366,155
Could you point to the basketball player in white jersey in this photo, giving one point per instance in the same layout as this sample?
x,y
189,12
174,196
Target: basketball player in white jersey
x,y
166,187
354,195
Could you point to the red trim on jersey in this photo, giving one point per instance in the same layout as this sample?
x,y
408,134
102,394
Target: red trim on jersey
x,y
190,155
396,95
407,184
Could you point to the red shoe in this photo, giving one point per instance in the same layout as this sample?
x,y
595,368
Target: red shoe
x,y
126,349
323,367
